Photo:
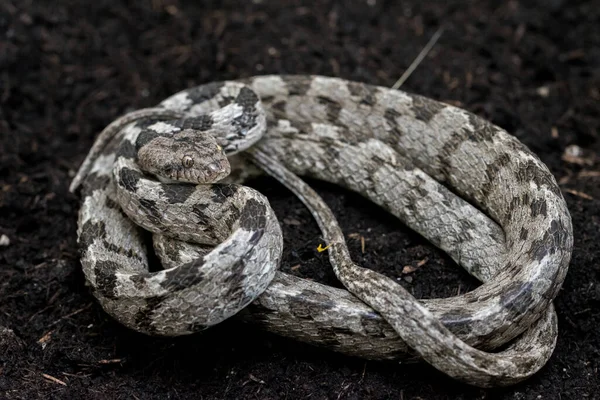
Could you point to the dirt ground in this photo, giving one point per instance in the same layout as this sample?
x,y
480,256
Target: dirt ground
x,y
68,68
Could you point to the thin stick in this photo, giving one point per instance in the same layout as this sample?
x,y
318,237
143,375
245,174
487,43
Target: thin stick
x,y
53,379
419,58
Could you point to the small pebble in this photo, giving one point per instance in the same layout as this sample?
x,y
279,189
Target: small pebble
x,y
4,240
543,91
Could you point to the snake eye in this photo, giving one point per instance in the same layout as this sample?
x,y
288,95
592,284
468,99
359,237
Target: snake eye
x,y
187,162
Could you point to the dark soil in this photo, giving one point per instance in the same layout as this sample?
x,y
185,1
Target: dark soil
x,y
68,68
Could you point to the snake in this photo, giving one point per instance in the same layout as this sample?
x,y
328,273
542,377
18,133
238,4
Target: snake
x,y
466,185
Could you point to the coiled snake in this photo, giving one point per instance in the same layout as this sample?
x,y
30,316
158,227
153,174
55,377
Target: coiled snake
x,y
432,165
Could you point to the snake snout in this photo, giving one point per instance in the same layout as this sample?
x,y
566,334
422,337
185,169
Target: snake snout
x,y
216,170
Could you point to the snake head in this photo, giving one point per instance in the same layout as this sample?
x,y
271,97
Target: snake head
x,y
187,156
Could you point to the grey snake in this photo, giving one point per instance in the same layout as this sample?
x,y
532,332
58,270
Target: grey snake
x,y
466,185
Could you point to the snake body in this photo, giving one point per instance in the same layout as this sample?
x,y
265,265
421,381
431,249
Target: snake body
x,y
434,166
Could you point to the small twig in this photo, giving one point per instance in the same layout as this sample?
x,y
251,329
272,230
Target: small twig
x,y
589,174
579,194
75,375
111,361
255,379
419,58
37,313
422,262
362,377
71,314
53,379
344,389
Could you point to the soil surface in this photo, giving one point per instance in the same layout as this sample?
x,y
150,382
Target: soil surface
x,y
68,68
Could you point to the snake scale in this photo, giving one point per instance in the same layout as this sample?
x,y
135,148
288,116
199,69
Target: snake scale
x,y
466,185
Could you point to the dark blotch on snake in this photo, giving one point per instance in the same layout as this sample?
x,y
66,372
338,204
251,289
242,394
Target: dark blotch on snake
x,y
146,136
279,108
390,116
491,172
333,152
94,182
253,215
524,233
233,216
548,245
184,276
171,249
247,120
106,280
200,123
127,150
225,100
309,303
91,231
366,93
539,207
129,178
517,296
255,238
425,109
333,108
153,211
482,131
139,281
200,211
543,247
456,322
129,253
265,100
222,192
302,127
200,94
111,204
144,317
517,203
94,231
297,86
372,326
247,99
177,194
531,172
236,283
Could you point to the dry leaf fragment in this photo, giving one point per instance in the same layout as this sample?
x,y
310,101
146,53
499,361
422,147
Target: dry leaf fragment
x,y
46,338
408,269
